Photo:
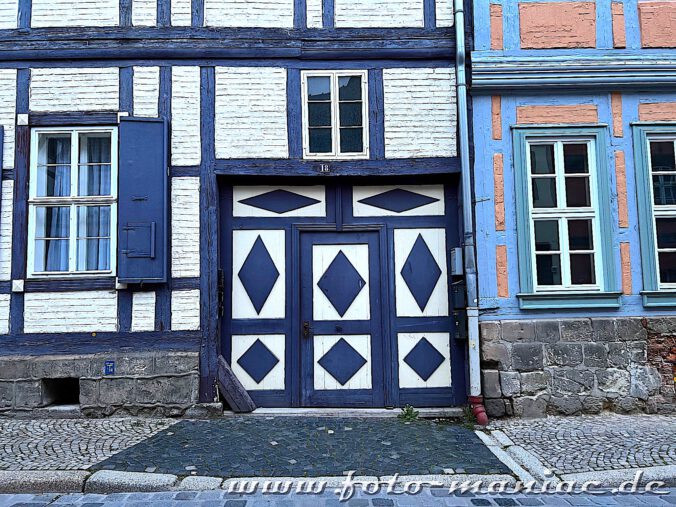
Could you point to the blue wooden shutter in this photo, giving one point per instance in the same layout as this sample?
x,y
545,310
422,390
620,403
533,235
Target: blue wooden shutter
x,y
142,207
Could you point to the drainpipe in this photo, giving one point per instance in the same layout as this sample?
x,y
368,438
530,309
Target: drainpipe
x,y
475,398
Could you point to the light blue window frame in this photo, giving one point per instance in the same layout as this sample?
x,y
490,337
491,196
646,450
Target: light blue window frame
x,y
608,296
653,296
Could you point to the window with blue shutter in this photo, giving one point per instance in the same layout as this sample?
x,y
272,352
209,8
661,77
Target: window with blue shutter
x,y
142,201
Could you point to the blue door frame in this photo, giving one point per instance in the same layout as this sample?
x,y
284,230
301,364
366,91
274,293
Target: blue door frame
x,y
340,225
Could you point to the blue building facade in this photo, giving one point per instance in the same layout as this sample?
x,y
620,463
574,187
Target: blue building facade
x,y
574,109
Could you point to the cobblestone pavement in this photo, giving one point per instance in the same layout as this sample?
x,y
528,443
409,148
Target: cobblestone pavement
x,y
595,443
69,444
302,446
434,497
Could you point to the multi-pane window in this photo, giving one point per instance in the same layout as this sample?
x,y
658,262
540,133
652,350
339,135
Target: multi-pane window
x,y
563,215
663,175
72,201
335,114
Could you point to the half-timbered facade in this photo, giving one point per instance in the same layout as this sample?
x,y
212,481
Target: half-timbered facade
x,y
269,183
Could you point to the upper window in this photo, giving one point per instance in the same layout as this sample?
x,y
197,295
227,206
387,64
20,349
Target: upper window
x,y
335,120
72,201
663,178
563,215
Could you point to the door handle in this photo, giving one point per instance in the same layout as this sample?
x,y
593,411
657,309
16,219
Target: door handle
x,y
307,331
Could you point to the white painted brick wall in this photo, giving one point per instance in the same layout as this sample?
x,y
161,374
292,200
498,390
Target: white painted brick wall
x,y
314,14
185,227
143,311
4,313
146,91
251,112
70,312
185,310
6,221
144,12
420,112
186,148
444,13
75,13
8,114
9,14
181,12
75,89
379,13
249,13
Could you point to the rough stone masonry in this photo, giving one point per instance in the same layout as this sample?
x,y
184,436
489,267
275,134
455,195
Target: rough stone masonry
x,y
531,368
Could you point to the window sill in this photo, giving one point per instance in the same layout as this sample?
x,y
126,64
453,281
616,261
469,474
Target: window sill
x,y
569,300
659,298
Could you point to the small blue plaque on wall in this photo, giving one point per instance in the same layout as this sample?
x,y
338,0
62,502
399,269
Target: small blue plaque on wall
x,y
109,368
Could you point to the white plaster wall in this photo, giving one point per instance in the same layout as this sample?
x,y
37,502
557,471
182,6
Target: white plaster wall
x,y
186,147
420,112
143,311
185,310
144,12
185,227
70,312
9,14
8,114
251,112
4,313
314,14
249,13
6,221
75,13
146,91
75,89
181,12
379,13
444,13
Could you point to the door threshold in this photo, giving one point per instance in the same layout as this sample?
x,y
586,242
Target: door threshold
x,y
423,413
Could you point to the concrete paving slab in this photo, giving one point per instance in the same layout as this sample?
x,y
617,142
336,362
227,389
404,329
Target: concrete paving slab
x,y
111,481
200,483
40,481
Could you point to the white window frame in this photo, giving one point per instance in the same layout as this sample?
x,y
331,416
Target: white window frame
x,y
659,210
335,153
73,201
561,214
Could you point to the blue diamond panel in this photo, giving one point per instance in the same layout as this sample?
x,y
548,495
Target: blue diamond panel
x,y
424,359
398,200
258,361
421,272
342,361
258,274
279,201
341,283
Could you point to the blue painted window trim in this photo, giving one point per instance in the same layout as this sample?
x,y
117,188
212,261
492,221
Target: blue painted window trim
x,y
651,293
608,297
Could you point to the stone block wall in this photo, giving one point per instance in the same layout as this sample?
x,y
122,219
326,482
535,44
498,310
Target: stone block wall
x,y
531,368
144,383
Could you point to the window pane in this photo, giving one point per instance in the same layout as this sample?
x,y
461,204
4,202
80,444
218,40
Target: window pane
x,y
575,158
666,232
350,114
544,193
51,255
580,235
93,254
582,269
52,222
667,267
546,235
319,88
93,221
320,140
577,192
662,155
319,114
548,269
349,88
542,158
664,189
94,159
351,140
53,172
